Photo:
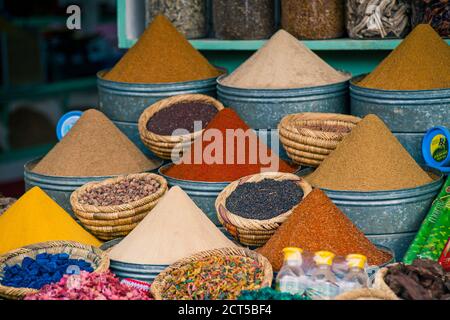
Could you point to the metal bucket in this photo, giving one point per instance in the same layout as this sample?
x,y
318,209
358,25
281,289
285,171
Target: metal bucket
x,y
124,103
408,113
264,108
389,218
141,272
59,188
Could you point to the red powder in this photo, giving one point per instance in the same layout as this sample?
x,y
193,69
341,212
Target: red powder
x,y
226,171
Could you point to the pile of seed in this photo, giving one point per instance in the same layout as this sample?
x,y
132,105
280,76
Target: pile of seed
x,y
265,199
181,116
124,191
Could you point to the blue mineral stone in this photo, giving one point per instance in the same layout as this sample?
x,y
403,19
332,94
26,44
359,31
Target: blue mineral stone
x,y
63,256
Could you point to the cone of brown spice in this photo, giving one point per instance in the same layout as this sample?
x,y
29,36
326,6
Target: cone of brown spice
x,y
370,158
317,224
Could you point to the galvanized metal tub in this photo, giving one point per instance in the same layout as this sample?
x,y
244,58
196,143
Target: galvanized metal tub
x,y
389,218
141,272
264,108
59,188
204,194
270,136
408,113
124,103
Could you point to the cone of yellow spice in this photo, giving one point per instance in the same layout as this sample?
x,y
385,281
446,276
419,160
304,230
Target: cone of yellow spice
x,y
162,55
35,218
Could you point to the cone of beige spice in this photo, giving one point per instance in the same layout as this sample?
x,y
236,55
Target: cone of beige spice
x,y
174,229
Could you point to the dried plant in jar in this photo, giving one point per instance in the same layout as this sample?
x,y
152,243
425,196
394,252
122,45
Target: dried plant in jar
x,y
322,19
377,18
243,19
433,12
188,16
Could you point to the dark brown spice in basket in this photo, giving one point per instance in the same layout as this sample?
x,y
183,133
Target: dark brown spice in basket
x,y
181,116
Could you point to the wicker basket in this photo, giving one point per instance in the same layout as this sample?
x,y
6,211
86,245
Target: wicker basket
x,y
366,294
98,259
159,284
252,232
110,222
308,146
163,146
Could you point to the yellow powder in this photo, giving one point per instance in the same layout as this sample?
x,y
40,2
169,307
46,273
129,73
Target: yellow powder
x,y
35,218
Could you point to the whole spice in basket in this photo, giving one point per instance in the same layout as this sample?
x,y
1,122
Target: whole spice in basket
x,y
225,170
283,63
213,278
161,55
265,199
182,115
317,224
94,147
174,229
5,203
35,218
124,191
43,269
381,162
420,62
89,286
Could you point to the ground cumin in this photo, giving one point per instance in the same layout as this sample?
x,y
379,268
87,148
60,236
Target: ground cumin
x,y
223,172
161,55
370,158
420,62
317,224
94,147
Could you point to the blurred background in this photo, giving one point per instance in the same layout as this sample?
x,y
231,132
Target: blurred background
x,y
46,70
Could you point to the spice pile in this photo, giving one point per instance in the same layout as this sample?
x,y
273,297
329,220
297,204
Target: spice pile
x,y
94,147
213,278
420,62
283,63
161,55
370,158
44,269
326,128
423,280
174,229
317,224
35,218
224,170
124,191
265,199
89,286
181,116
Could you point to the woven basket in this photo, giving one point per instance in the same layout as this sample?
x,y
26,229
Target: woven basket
x,y
96,257
252,232
381,285
109,222
307,146
163,146
366,294
159,284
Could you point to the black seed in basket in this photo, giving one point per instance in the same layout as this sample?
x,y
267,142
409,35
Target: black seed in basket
x,y
265,199
181,116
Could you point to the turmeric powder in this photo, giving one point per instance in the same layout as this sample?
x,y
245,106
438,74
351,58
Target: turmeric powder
x,y
35,218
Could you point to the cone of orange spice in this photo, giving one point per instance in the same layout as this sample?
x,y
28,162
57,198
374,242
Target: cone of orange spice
x,y
317,224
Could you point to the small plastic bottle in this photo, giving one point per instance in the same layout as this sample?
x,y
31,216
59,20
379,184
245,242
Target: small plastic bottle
x,y
291,277
356,277
323,281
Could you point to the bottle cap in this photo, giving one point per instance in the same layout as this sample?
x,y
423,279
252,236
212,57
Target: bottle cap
x,y
66,123
292,253
324,257
435,148
356,260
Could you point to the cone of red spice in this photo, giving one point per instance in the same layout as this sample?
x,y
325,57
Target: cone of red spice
x,y
226,172
317,224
